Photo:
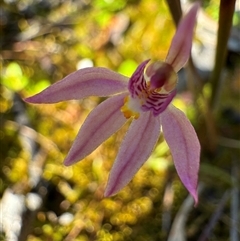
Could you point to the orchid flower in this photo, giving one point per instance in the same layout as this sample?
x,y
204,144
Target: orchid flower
x,y
145,98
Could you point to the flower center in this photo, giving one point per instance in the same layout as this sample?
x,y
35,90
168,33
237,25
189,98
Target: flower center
x,y
161,76
131,108
150,90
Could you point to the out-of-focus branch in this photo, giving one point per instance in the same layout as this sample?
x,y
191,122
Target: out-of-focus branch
x,y
216,215
178,229
175,9
234,201
225,23
228,142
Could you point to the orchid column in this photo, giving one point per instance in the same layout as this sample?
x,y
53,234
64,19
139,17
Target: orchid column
x,y
145,98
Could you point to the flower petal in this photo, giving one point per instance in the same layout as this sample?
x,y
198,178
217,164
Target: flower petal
x,y
134,151
82,83
137,83
100,124
184,145
157,102
181,45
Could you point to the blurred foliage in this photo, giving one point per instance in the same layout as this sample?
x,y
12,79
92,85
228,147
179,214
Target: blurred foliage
x,y
43,41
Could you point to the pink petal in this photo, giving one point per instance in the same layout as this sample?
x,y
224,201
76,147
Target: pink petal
x,y
100,124
157,102
134,151
82,83
184,145
181,45
137,83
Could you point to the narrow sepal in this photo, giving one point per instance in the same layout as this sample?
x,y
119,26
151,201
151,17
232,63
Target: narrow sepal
x,y
134,151
184,145
81,84
100,124
181,45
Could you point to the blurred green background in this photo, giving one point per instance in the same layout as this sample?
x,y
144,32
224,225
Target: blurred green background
x,y
43,41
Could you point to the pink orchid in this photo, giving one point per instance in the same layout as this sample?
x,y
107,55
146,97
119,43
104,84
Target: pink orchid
x,y
146,99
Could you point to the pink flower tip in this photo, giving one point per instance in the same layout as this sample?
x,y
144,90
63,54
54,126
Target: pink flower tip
x,y
195,197
33,99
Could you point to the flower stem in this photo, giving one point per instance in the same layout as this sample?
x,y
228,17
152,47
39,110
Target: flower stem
x,y
225,24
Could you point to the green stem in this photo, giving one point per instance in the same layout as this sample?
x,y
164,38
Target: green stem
x,y
225,24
